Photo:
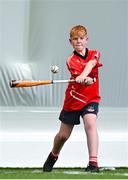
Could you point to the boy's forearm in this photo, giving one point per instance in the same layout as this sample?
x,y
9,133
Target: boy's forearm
x,y
83,77
90,65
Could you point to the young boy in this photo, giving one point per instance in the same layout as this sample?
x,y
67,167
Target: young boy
x,y
81,99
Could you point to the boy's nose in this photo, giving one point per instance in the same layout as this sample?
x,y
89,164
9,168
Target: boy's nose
x,y
78,40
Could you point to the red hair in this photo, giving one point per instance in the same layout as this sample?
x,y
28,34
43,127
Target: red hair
x,y
78,30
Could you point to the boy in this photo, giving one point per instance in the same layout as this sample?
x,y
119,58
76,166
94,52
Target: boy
x,y
81,99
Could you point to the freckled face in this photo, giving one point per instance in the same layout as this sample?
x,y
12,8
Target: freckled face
x,y
79,42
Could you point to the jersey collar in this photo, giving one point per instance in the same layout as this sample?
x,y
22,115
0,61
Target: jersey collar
x,y
83,57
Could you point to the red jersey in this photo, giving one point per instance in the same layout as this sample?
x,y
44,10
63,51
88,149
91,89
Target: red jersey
x,y
78,95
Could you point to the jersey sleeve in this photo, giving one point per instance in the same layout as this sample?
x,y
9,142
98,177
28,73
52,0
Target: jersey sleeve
x,y
74,67
96,56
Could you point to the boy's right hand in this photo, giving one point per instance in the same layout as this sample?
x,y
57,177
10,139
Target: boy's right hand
x,y
86,81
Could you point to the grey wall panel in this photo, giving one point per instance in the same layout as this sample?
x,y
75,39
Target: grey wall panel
x,y
16,96
37,33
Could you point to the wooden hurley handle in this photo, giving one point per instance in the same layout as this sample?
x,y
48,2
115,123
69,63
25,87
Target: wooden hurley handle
x,y
20,83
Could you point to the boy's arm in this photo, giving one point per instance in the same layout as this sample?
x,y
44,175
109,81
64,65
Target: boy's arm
x,y
83,77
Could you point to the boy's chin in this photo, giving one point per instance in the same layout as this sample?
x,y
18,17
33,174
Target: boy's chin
x,y
79,50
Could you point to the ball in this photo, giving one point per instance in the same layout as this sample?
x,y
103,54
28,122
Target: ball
x,y
54,69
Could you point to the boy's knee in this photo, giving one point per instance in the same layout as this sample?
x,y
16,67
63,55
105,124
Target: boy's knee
x,y
63,137
90,126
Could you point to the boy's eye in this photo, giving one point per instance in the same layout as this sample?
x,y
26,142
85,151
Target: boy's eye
x,y
76,38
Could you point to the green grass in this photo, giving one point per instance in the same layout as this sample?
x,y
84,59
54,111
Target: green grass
x,y
61,173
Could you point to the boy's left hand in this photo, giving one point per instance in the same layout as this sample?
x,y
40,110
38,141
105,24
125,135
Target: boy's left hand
x,y
89,80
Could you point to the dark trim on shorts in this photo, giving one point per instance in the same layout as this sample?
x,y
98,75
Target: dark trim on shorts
x,y
73,117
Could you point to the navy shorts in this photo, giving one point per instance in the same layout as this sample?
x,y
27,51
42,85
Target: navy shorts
x,y
73,117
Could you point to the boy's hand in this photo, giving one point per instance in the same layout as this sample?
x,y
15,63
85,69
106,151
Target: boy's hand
x,y
82,80
89,80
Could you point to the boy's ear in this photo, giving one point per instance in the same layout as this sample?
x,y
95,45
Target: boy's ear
x,y
87,38
70,40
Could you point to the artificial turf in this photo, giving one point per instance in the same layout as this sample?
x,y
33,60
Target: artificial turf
x,y
62,173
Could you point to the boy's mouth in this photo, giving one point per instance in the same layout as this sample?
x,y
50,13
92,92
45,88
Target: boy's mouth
x,y
78,46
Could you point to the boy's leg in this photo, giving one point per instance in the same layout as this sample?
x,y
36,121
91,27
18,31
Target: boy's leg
x,y
59,140
92,140
61,137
